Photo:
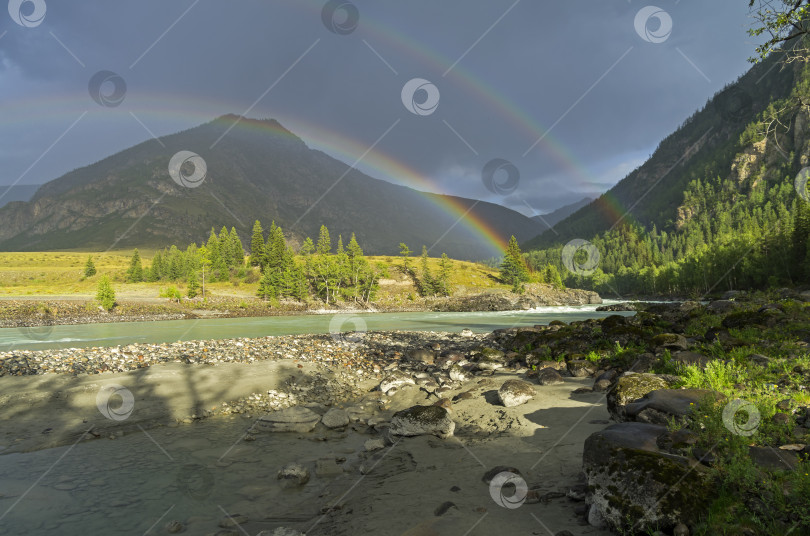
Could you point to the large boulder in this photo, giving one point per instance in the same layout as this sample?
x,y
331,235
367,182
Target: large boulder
x,y
515,392
549,376
581,368
631,387
295,419
657,407
422,420
633,485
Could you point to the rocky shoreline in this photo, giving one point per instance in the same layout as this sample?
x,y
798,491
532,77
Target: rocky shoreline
x,y
41,313
666,378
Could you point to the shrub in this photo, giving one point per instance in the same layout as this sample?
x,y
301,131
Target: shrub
x,y
105,295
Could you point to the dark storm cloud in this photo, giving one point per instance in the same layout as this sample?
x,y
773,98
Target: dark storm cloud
x,y
575,72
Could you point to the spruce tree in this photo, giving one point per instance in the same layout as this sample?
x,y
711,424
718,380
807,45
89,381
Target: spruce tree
x,y
193,284
275,247
267,288
427,285
405,253
307,248
236,250
443,279
89,267
257,245
135,270
552,276
324,246
513,267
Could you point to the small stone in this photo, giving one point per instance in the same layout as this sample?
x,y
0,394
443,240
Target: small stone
x,y
374,444
174,527
335,418
293,474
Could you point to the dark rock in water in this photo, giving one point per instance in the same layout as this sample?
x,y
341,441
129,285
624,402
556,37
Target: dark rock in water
x,y
293,474
657,407
422,420
626,306
631,388
581,368
549,376
630,477
515,392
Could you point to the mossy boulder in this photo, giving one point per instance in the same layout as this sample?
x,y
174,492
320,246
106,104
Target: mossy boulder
x,y
658,407
634,485
632,387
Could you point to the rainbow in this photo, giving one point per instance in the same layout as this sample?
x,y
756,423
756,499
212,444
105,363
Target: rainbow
x,y
384,167
607,203
172,113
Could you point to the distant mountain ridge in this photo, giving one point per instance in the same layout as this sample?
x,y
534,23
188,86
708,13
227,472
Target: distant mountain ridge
x,y
17,192
554,217
259,170
703,146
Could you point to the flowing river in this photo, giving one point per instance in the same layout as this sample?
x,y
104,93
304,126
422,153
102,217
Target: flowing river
x,y
122,333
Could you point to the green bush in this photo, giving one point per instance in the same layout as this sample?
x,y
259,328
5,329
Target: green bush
x,y
105,295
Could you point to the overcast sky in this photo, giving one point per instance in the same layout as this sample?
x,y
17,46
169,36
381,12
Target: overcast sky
x,y
574,93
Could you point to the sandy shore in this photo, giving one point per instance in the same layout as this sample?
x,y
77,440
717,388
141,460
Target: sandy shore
x,y
396,490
